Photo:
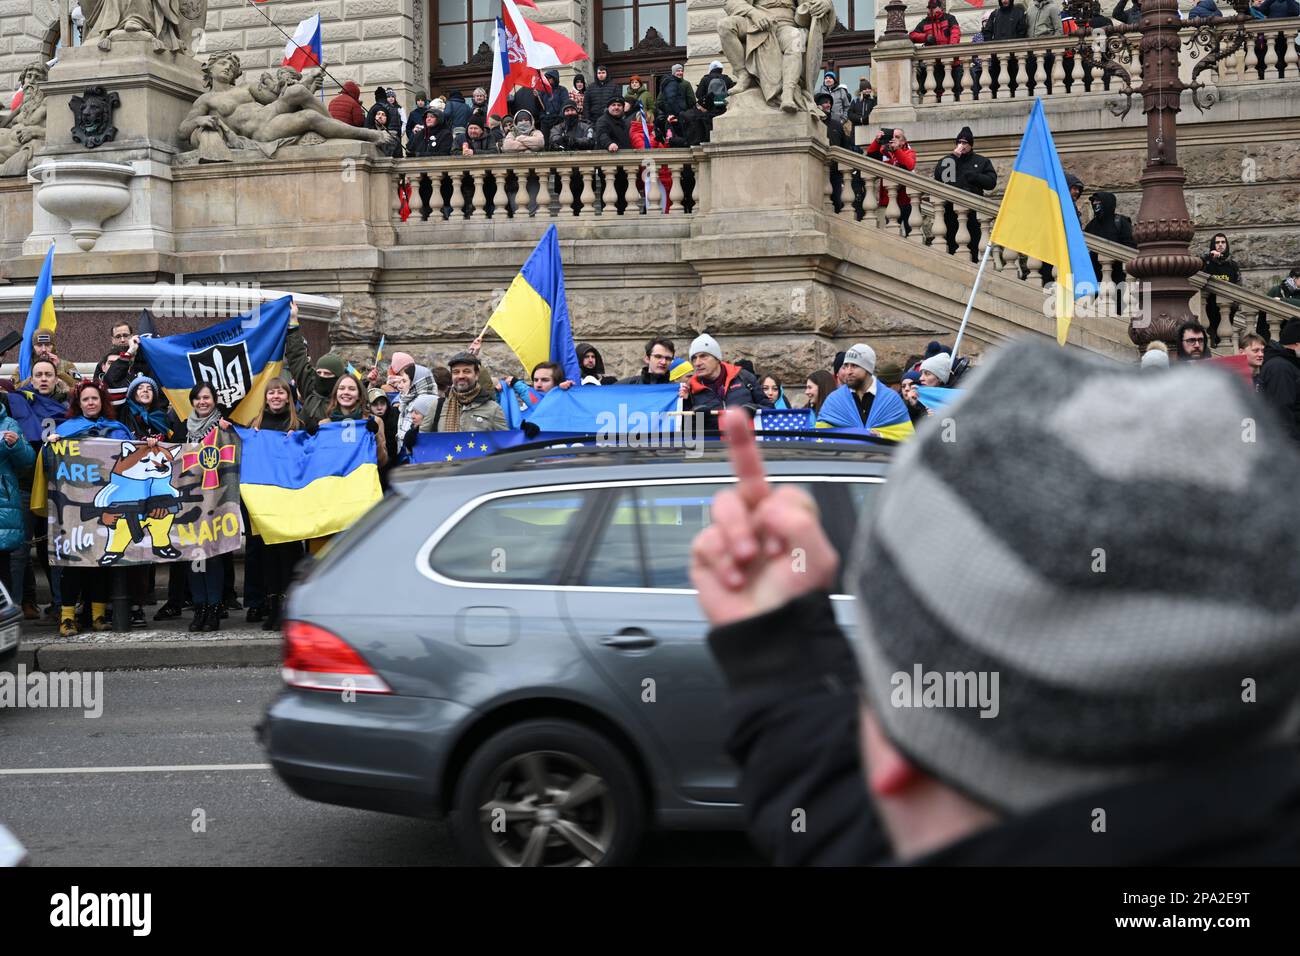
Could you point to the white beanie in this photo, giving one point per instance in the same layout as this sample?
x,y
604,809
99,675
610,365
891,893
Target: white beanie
x,y
863,356
1155,358
706,343
939,365
423,404
715,65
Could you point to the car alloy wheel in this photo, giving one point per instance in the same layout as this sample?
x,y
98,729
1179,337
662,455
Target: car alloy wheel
x,y
548,792
548,809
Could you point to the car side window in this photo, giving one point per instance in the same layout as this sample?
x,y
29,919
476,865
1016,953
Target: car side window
x,y
518,539
615,560
671,517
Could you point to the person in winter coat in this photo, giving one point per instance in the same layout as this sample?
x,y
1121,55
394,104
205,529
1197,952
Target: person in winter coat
x,y
348,403
420,377
578,95
939,28
393,146
638,91
1204,9
90,415
572,132
659,354
315,381
1217,262
417,114
967,170
1126,11
477,141
457,113
16,460
712,91
346,107
715,384
841,98
593,366
1279,377
431,136
1006,22
274,563
644,136
553,103
1107,224
675,94
471,405
380,105
834,723
891,147
598,96
144,413
525,137
862,105
612,133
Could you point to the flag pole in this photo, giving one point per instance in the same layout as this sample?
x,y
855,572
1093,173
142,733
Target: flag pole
x,y
970,303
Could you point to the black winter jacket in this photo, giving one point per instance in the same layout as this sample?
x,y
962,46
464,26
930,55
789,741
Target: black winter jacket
x,y
611,130
599,96
793,721
567,136
1279,384
971,172
1006,23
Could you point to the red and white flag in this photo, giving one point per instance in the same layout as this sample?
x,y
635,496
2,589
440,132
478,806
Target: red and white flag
x,y
523,51
304,50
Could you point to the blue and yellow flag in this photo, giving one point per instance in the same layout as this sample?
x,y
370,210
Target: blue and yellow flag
x,y
237,358
39,316
533,317
298,486
888,417
1038,218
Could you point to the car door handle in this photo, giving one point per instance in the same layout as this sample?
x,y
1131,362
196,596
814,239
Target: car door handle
x,y
628,639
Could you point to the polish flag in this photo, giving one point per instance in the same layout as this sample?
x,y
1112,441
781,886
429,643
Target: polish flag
x,y
304,50
523,51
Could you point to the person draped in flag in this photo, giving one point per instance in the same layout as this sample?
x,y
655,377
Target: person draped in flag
x,y
862,402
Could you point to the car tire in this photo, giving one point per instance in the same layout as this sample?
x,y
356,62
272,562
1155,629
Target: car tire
x,y
548,793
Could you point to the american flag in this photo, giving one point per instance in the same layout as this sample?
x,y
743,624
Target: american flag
x,y
784,420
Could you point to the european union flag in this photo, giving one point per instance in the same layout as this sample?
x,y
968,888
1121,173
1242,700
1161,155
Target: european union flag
x,y
771,420
462,446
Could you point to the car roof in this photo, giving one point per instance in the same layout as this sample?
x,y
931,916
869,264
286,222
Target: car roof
x,y
547,463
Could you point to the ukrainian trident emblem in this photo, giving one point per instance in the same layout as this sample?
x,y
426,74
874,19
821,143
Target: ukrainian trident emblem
x,y
209,457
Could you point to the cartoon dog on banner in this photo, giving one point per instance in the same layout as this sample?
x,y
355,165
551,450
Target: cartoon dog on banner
x,y
139,498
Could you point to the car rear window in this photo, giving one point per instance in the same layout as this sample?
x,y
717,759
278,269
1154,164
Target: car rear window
x,y
518,539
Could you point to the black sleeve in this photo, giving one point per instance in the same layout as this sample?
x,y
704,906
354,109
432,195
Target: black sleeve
x,y
793,730
1280,387
119,373
985,176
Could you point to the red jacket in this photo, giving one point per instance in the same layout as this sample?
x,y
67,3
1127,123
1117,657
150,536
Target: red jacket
x,y
939,25
638,142
904,158
346,107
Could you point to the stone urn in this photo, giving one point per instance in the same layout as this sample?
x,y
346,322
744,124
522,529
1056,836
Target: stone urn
x,y
87,194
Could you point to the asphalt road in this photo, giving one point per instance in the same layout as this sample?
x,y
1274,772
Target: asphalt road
x,y
87,816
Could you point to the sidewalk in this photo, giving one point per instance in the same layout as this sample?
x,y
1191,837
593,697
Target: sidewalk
x,y
161,644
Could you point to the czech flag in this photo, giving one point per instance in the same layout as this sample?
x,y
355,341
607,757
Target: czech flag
x,y
888,417
304,50
236,357
523,51
298,486
1037,218
533,317
39,316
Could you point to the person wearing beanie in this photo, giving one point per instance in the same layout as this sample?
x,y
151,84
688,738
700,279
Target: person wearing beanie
x,y
637,90
841,98
676,96
936,370
1155,357
998,689
144,411
716,385
315,380
477,141
714,88
837,367
68,376
419,377
525,137
967,170
380,105
346,107
417,114
1279,376
861,402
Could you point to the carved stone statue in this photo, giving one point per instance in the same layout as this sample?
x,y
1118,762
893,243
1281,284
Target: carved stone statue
x,y
170,23
93,117
776,47
22,131
281,109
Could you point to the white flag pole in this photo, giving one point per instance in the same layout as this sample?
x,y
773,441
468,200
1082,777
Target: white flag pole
x,y
984,261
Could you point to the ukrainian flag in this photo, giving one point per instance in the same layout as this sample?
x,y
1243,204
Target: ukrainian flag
x,y
1038,218
39,316
237,358
298,486
533,317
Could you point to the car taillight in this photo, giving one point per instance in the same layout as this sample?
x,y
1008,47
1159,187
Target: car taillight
x,y
315,659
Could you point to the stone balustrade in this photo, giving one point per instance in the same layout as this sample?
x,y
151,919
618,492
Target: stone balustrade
x,y
925,211
1088,62
588,185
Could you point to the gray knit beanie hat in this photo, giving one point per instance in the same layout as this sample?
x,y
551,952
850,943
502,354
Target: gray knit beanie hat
x,y
1103,556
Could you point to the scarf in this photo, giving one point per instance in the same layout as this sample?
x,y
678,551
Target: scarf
x,y
152,421
275,421
456,403
196,427
356,415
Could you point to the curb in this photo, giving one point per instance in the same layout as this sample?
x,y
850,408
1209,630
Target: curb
x,y
145,655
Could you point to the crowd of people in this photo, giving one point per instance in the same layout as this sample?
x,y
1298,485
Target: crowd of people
x,y
605,115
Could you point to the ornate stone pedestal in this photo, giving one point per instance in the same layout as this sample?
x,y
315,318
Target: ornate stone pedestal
x,y
155,90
